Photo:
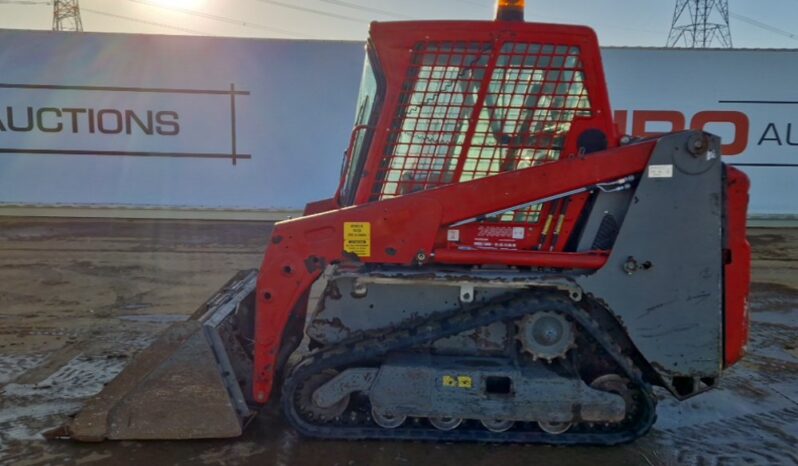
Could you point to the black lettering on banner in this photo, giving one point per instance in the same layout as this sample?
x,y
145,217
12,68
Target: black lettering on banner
x,y
13,127
40,120
163,122
101,120
130,117
775,137
789,135
91,121
110,121
74,112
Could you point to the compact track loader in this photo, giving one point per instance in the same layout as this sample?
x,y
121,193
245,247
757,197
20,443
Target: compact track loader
x,y
498,264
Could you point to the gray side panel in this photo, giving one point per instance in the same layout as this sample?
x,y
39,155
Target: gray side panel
x,y
673,309
614,204
341,312
416,385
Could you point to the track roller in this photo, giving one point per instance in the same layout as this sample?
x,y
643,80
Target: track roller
x,y
554,428
497,425
387,421
445,423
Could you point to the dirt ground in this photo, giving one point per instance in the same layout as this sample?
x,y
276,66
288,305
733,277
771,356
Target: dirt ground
x,y
78,298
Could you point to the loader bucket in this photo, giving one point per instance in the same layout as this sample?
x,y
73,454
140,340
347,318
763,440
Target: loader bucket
x,y
192,382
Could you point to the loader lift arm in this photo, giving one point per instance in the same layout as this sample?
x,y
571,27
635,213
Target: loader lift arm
x,y
405,228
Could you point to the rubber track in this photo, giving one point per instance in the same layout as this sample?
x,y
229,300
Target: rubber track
x,y
368,347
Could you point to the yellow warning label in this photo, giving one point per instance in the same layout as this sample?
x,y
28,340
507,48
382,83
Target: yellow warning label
x,y
461,381
357,238
464,381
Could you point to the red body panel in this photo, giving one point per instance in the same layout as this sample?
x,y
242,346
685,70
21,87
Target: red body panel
x,y
559,260
317,207
737,274
403,227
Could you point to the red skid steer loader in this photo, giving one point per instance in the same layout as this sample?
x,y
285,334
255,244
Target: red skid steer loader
x,y
498,264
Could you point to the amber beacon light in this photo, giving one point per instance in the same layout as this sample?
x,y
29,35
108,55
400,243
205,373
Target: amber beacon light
x,y
510,10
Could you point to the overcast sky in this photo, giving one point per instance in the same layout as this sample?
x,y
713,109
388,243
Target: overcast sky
x,y
754,23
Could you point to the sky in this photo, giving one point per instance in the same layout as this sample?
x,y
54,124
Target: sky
x,y
754,23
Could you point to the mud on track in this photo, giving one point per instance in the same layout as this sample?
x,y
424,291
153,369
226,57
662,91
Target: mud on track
x,y
78,298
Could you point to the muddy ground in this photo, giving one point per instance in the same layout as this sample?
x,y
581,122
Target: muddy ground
x,y
78,298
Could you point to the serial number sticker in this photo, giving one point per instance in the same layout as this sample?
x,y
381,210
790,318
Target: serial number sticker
x,y
660,171
453,235
357,238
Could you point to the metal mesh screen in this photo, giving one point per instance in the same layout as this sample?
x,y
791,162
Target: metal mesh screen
x,y
437,103
516,118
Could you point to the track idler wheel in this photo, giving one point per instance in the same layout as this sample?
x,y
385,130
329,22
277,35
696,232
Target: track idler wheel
x,y
614,383
313,410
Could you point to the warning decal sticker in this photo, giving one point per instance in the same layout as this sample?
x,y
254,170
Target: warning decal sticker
x,y
460,381
357,238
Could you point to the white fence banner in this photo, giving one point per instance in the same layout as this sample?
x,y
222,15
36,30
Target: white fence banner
x,y
216,123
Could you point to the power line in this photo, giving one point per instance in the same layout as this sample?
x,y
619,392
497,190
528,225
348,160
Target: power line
x,y
356,6
765,26
549,18
313,11
24,2
66,13
220,18
144,21
475,3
